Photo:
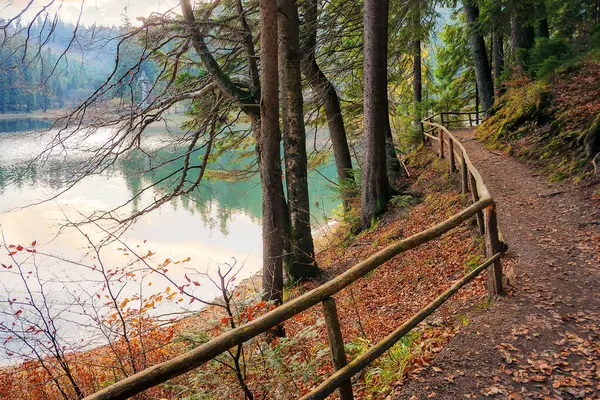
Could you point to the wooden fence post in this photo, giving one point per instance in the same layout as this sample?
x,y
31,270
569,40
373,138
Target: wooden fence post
x,y
441,137
451,155
492,246
470,120
475,197
336,343
464,173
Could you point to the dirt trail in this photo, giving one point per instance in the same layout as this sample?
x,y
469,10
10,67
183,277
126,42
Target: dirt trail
x,y
542,341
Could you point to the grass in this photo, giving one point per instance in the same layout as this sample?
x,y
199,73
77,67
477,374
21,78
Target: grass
x,y
403,201
463,319
485,304
473,261
390,368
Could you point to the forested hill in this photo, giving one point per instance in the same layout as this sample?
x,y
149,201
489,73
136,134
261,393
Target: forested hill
x,y
55,64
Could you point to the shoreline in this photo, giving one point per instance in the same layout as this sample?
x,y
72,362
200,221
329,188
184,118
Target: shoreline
x,y
48,115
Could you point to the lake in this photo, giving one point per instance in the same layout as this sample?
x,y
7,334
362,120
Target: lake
x,y
215,224
22,124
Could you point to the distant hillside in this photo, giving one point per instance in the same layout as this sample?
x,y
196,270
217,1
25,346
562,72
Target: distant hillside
x,y
62,65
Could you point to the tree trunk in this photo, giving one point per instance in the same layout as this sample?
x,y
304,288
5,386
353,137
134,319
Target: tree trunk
x,y
543,29
246,99
395,171
417,71
375,185
270,163
326,92
250,51
335,121
483,74
294,143
523,31
275,218
592,140
477,100
498,59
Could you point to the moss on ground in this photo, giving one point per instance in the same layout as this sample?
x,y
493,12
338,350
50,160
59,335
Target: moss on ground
x,y
543,122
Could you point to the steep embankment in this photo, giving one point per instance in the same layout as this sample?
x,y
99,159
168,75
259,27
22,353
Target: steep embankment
x,y
546,122
541,341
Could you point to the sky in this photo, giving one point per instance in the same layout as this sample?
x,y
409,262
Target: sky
x,y
99,12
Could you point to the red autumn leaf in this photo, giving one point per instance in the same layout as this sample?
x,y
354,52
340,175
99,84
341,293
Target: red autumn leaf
x,y
19,248
18,313
261,304
34,243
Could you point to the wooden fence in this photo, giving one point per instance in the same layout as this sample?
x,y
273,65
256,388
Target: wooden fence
x,y
453,120
483,209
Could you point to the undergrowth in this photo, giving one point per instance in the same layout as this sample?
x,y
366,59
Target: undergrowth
x,y
544,120
374,306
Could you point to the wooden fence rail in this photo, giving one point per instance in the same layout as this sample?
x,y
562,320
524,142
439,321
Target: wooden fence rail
x,y
453,120
340,380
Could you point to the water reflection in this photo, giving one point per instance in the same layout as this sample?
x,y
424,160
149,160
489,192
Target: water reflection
x,y
22,124
217,221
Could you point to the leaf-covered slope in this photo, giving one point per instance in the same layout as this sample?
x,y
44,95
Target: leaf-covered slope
x,y
546,122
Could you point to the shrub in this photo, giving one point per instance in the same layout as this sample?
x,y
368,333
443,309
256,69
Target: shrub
x,y
547,56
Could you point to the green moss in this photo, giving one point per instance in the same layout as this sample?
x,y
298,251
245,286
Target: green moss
x,y
473,262
485,304
526,123
463,319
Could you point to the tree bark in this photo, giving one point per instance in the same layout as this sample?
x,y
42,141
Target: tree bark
x,y
270,165
592,140
417,71
375,186
395,171
275,217
523,31
326,92
246,99
543,29
250,51
294,143
483,73
498,59
498,49
477,100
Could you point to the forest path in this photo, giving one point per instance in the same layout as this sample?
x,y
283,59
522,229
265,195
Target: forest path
x,y
542,340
